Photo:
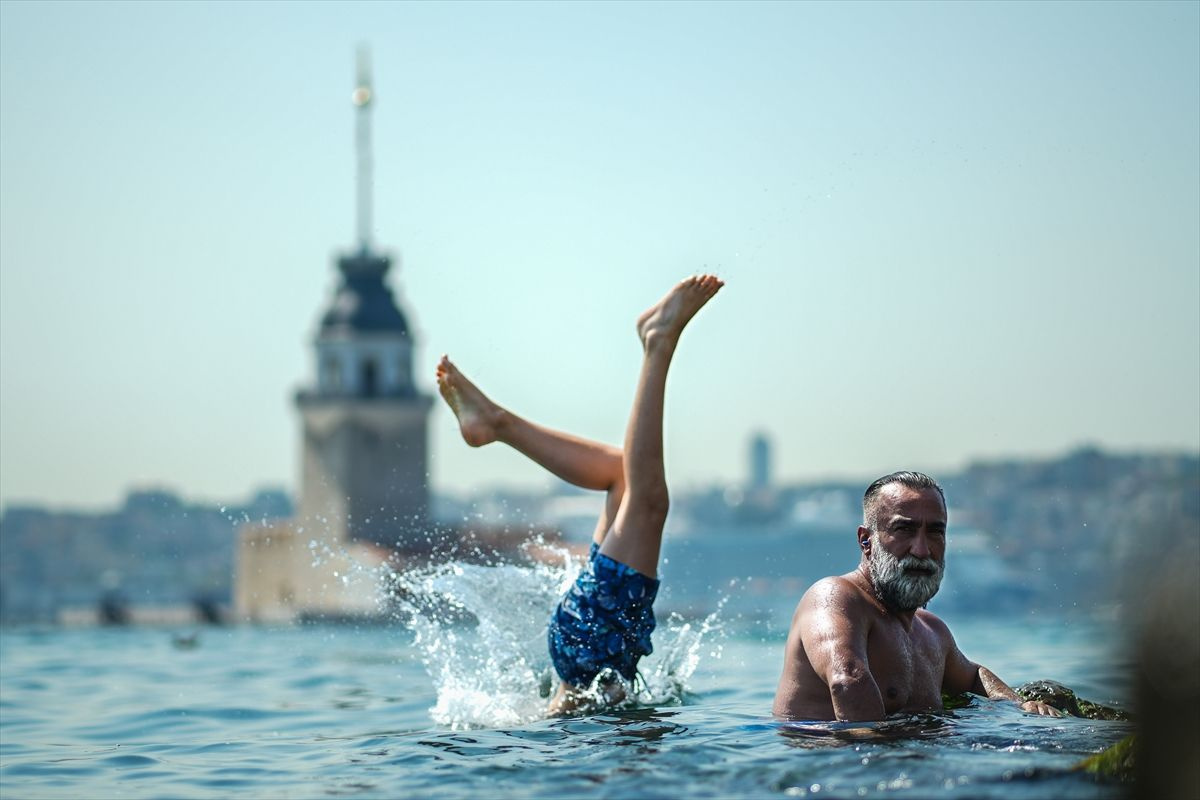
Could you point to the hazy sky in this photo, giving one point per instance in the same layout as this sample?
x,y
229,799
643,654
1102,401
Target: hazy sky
x,y
949,231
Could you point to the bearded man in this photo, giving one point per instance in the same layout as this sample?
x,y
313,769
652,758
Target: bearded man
x,y
862,646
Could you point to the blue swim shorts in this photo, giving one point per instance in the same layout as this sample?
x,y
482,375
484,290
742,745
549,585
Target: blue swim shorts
x,y
604,621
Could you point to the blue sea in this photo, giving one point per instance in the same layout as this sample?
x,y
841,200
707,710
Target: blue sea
x,y
447,700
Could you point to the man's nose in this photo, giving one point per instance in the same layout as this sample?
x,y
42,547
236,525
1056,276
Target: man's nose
x,y
920,546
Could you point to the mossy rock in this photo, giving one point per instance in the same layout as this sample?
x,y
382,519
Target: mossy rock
x,y
952,702
1053,693
1114,763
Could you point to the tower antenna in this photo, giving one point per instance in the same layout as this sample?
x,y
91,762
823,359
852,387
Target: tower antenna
x,y
362,99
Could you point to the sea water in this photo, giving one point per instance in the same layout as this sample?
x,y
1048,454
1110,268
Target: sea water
x,y
447,701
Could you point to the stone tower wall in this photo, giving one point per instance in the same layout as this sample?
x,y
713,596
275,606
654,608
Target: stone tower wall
x,y
365,469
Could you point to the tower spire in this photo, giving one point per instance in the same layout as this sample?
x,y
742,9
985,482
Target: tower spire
x,y
362,99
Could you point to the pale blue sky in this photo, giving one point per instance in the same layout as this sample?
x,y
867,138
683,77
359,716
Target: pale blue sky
x,y
949,231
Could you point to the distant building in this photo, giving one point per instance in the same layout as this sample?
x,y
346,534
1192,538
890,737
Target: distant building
x,y
157,553
364,478
760,461
364,470
756,501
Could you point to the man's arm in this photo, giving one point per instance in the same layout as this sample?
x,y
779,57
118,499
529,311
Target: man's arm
x,y
964,675
834,637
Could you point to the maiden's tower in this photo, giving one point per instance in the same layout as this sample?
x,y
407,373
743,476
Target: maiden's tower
x,y
364,488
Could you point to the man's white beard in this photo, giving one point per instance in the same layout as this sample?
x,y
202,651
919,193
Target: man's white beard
x,y
897,589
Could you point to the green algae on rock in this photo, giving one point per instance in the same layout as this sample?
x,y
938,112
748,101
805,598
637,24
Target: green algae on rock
x,y
1053,693
952,702
1116,762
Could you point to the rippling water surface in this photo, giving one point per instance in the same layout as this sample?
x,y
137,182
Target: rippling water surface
x,y
385,712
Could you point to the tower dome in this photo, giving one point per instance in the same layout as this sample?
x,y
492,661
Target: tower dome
x,y
363,303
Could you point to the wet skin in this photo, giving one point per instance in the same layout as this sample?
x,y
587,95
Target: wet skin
x,y
851,657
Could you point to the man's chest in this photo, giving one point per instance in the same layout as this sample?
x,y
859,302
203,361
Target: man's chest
x,y
908,667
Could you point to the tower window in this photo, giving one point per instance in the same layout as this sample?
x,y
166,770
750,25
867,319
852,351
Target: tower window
x,y
332,377
370,378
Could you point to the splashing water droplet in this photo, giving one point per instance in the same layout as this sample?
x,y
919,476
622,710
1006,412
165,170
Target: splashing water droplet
x,y
481,631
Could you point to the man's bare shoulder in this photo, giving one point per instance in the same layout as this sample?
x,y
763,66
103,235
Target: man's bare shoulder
x,y
935,624
836,592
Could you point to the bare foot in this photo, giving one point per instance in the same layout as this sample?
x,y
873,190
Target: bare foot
x,y
569,700
478,417
564,701
663,322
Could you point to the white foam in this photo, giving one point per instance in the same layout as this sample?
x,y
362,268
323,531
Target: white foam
x,y
481,630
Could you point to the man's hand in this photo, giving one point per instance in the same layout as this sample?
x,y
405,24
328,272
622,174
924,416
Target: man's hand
x,y
988,685
1038,707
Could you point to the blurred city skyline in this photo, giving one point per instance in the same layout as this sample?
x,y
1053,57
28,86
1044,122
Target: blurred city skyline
x,y
949,232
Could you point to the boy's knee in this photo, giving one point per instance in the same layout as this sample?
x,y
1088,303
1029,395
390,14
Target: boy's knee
x,y
655,504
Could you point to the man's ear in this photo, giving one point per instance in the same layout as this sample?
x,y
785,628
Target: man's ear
x,y
864,540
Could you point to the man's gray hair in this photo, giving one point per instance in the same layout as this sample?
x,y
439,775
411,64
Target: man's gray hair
x,y
913,480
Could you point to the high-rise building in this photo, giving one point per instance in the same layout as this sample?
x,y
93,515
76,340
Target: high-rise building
x,y
364,490
760,461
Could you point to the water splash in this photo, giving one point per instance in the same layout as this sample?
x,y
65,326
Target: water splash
x,y
481,630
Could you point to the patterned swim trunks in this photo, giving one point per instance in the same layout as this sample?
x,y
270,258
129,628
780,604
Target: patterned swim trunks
x,y
604,621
